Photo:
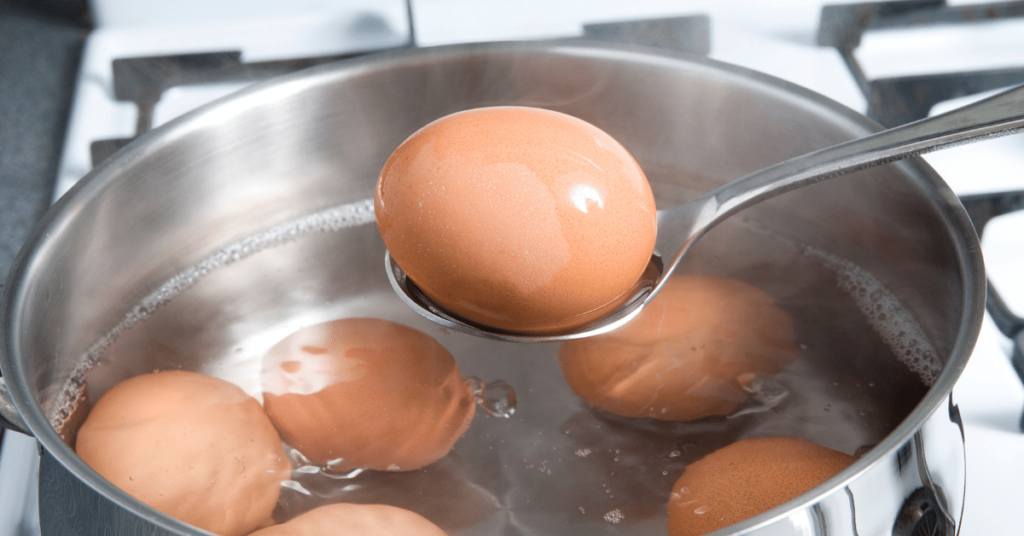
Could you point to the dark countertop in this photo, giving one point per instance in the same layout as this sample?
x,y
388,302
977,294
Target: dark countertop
x,y
40,50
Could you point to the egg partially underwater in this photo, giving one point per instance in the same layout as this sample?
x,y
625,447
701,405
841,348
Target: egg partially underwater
x,y
194,447
746,478
521,219
683,356
365,393
355,520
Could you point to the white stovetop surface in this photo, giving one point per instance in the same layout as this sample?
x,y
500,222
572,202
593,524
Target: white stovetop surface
x,y
776,38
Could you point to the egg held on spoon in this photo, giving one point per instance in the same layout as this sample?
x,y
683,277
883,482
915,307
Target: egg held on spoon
x,y
520,219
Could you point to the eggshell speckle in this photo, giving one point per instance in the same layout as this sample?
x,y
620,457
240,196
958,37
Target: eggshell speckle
x,y
364,393
746,478
520,219
680,359
355,520
192,446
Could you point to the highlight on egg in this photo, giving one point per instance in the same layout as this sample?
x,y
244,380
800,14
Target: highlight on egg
x,y
689,354
355,520
194,447
746,478
520,219
366,393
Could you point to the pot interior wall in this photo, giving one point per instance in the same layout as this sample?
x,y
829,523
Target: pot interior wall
x,y
317,140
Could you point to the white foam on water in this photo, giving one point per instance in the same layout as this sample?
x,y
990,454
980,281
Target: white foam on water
x,y
332,219
887,316
614,517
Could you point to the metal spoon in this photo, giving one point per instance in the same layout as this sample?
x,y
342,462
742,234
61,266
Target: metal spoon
x,y
681,226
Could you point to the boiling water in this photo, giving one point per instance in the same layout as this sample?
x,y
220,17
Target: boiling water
x,y
538,460
333,219
886,315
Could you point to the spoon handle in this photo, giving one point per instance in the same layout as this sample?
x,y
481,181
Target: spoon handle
x,y
999,115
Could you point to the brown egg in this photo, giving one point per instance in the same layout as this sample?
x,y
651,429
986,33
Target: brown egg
x,y
366,393
517,218
746,478
192,446
681,358
355,520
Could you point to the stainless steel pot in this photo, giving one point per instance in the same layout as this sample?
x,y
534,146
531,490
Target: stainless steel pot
x,y
188,249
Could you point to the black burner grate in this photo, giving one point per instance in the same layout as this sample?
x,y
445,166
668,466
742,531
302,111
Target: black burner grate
x,y
144,80
899,100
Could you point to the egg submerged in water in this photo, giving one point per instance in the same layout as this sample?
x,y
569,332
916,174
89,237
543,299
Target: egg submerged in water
x,y
684,356
355,520
194,447
521,219
747,478
365,393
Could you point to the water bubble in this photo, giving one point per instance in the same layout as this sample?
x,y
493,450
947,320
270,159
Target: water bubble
x,y
298,458
764,394
497,398
305,466
291,484
675,454
614,517
342,476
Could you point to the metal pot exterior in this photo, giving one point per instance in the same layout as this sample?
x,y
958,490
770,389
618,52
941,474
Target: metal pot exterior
x,y
317,139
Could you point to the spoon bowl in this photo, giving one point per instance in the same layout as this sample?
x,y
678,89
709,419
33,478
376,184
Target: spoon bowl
x,y
679,227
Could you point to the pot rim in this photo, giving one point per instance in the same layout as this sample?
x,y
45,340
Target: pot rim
x,y
93,184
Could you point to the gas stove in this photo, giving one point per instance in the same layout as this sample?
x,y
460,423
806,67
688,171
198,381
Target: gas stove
x,y
895,61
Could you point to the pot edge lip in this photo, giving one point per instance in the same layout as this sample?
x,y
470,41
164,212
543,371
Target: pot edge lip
x,y
99,177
